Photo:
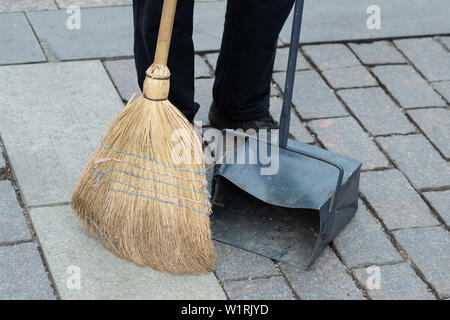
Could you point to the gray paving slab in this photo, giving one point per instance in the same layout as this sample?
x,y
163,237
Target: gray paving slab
x,y
443,88
312,97
113,37
350,77
378,52
13,226
26,5
209,18
344,135
429,249
415,156
428,55
376,110
203,96
325,280
281,60
397,282
52,128
396,203
201,68
273,288
92,3
22,274
407,86
235,263
436,125
329,56
363,242
66,245
123,74
440,200
296,128
328,20
18,43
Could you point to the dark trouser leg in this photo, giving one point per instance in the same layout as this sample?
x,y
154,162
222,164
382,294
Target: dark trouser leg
x,y
245,64
147,15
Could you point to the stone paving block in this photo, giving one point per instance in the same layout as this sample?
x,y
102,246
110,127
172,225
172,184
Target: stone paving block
x,y
415,156
281,60
123,74
394,200
312,97
203,96
18,43
235,263
377,112
443,88
436,125
12,221
378,52
92,3
209,18
104,32
296,128
344,135
349,77
52,128
363,242
26,5
325,280
440,200
22,274
328,20
274,288
428,56
397,282
201,68
407,86
103,275
429,249
329,56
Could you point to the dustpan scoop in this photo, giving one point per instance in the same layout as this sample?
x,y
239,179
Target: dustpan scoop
x,y
293,215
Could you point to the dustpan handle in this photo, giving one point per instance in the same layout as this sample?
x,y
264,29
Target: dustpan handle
x,y
290,74
165,32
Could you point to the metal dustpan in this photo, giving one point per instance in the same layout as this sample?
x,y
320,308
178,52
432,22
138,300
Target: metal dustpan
x,y
292,215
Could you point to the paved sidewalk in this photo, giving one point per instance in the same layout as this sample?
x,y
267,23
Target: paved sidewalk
x,y
384,102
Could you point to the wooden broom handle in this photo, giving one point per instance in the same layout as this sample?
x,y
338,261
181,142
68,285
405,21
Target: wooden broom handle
x,y
165,32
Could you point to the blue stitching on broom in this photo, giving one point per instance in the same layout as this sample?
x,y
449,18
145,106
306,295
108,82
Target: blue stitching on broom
x,y
155,161
147,178
153,198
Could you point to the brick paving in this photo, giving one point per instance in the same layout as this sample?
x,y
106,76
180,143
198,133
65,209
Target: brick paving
x,y
384,102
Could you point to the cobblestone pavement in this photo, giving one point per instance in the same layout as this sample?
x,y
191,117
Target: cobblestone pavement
x,y
384,102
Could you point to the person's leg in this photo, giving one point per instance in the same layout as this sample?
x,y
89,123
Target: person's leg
x,y
241,89
147,15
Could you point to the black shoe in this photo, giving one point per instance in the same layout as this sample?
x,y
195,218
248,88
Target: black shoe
x,y
218,121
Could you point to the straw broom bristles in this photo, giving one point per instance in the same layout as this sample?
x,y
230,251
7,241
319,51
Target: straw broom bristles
x,y
153,213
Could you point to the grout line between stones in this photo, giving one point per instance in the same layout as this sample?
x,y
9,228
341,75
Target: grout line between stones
x,y
34,237
37,38
397,245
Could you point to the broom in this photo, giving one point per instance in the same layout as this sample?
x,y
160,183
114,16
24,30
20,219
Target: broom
x,y
134,196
